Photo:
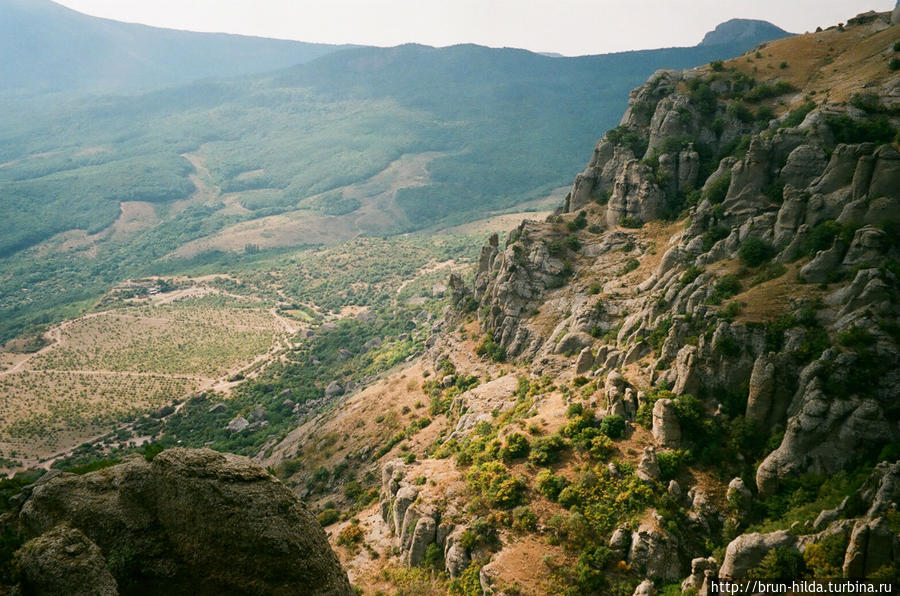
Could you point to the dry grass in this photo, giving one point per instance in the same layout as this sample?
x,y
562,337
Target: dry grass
x,y
831,64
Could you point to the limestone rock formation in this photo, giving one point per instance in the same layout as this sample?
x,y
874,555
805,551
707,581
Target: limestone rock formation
x,y
747,551
65,561
189,522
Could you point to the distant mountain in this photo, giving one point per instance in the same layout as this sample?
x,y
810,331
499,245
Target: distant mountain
x,y
363,141
48,47
748,32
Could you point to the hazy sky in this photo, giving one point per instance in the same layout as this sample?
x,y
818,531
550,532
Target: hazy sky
x,y
570,27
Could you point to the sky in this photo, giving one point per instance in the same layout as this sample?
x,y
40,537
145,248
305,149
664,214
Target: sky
x,y
568,27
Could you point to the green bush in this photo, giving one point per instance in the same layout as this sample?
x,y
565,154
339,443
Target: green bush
x,y
524,519
328,516
613,426
629,266
550,485
545,450
725,288
690,274
630,222
755,251
517,446
670,462
716,192
765,91
572,243
795,117
782,562
496,485
488,347
579,223
739,110
848,130
622,135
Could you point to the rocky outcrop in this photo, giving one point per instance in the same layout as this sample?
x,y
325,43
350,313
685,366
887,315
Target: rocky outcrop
x,y
703,571
189,522
654,551
666,429
747,551
65,561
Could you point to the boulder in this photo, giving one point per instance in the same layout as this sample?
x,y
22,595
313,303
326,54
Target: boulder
x,y
237,425
333,389
192,522
423,535
585,361
217,408
738,495
620,543
645,588
65,561
747,551
456,557
648,467
687,380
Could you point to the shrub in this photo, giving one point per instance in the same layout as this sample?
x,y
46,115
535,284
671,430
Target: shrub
x,y
764,114
572,243
545,450
796,117
717,65
690,274
491,349
825,559
496,485
702,96
601,447
822,236
855,337
350,535
848,130
516,446
589,569
716,192
524,519
434,557
621,135
613,426
630,222
755,251
670,463
579,223
781,562
550,485
894,64
725,288
765,91
479,533
328,517
739,110
629,266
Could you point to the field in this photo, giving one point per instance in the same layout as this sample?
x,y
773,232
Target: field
x,y
135,356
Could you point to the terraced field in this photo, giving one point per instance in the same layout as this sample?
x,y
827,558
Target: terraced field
x,y
112,365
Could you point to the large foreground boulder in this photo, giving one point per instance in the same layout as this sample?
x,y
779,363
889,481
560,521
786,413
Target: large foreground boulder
x,y
189,522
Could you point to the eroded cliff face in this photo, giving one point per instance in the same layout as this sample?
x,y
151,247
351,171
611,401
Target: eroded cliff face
x,y
735,239
189,522
795,203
